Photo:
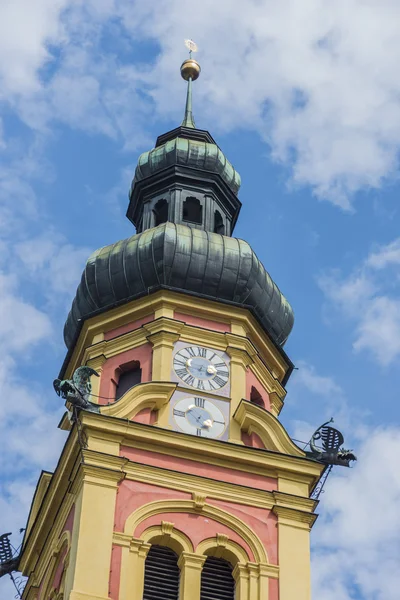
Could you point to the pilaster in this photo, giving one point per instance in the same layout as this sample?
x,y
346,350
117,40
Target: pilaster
x,y
134,554
91,544
163,333
294,553
240,360
190,565
241,576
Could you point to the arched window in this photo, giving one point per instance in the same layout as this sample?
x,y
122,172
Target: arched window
x,y
256,398
160,212
219,226
217,582
161,574
192,210
131,374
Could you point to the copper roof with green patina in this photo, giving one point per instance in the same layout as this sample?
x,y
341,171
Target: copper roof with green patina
x,y
190,153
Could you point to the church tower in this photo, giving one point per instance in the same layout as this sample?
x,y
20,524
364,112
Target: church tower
x,y
177,479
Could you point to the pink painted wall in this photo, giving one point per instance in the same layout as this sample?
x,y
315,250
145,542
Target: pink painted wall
x,y
115,572
69,523
184,465
133,494
55,584
252,381
110,373
273,589
263,522
113,333
199,322
146,416
253,440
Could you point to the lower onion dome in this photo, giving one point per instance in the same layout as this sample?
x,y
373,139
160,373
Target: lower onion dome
x,y
182,259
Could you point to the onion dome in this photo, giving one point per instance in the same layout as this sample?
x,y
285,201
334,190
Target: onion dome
x,y
184,205
197,154
182,259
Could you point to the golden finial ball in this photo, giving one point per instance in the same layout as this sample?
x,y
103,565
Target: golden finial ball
x,y
190,68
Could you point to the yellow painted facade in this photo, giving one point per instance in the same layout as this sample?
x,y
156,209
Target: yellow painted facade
x,y
103,548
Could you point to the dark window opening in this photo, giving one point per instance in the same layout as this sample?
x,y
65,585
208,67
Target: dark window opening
x,y
219,226
256,398
131,374
217,582
160,212
192,211
161,574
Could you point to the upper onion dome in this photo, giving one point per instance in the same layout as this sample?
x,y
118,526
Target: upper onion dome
x,y
182,259
198,154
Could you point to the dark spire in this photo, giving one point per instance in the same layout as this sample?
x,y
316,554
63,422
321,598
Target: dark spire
x,y
188,120
190,70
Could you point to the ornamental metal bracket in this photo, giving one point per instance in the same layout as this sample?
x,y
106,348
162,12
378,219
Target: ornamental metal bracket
x,y
77,391
9,559
326,447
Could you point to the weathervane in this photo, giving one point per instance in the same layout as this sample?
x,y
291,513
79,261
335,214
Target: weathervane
x,y
190,71
192,47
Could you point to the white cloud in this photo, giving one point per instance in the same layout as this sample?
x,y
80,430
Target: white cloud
x,y
315,79
21,324
385,256
357,537
56,263
370,298
26,31
307,376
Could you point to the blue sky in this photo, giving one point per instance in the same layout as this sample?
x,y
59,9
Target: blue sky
x,y
304,100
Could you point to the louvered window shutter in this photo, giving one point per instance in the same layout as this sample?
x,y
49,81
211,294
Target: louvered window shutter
x,y
217,582
161,574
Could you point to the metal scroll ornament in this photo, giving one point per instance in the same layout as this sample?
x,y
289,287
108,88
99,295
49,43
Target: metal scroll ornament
x,y
77,390
9,559
326,447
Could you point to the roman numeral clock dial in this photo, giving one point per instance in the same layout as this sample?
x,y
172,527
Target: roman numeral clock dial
x,y
201,368
199,416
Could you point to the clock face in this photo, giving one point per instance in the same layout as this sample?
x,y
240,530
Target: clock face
x,y
199,416
201,368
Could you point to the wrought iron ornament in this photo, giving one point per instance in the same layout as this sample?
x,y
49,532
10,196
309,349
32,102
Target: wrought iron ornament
x,y
77,390
9,559
326,445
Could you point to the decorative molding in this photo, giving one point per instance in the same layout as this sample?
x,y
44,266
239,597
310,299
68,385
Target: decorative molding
x,y
231,551
295,502
122,539
199,500
167,527
153,394
173,538
209,488
253,418
191,560
213,512
294,518
207,451
276,403
164,325
222,539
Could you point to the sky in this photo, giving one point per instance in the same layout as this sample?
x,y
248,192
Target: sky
x,y
304,99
